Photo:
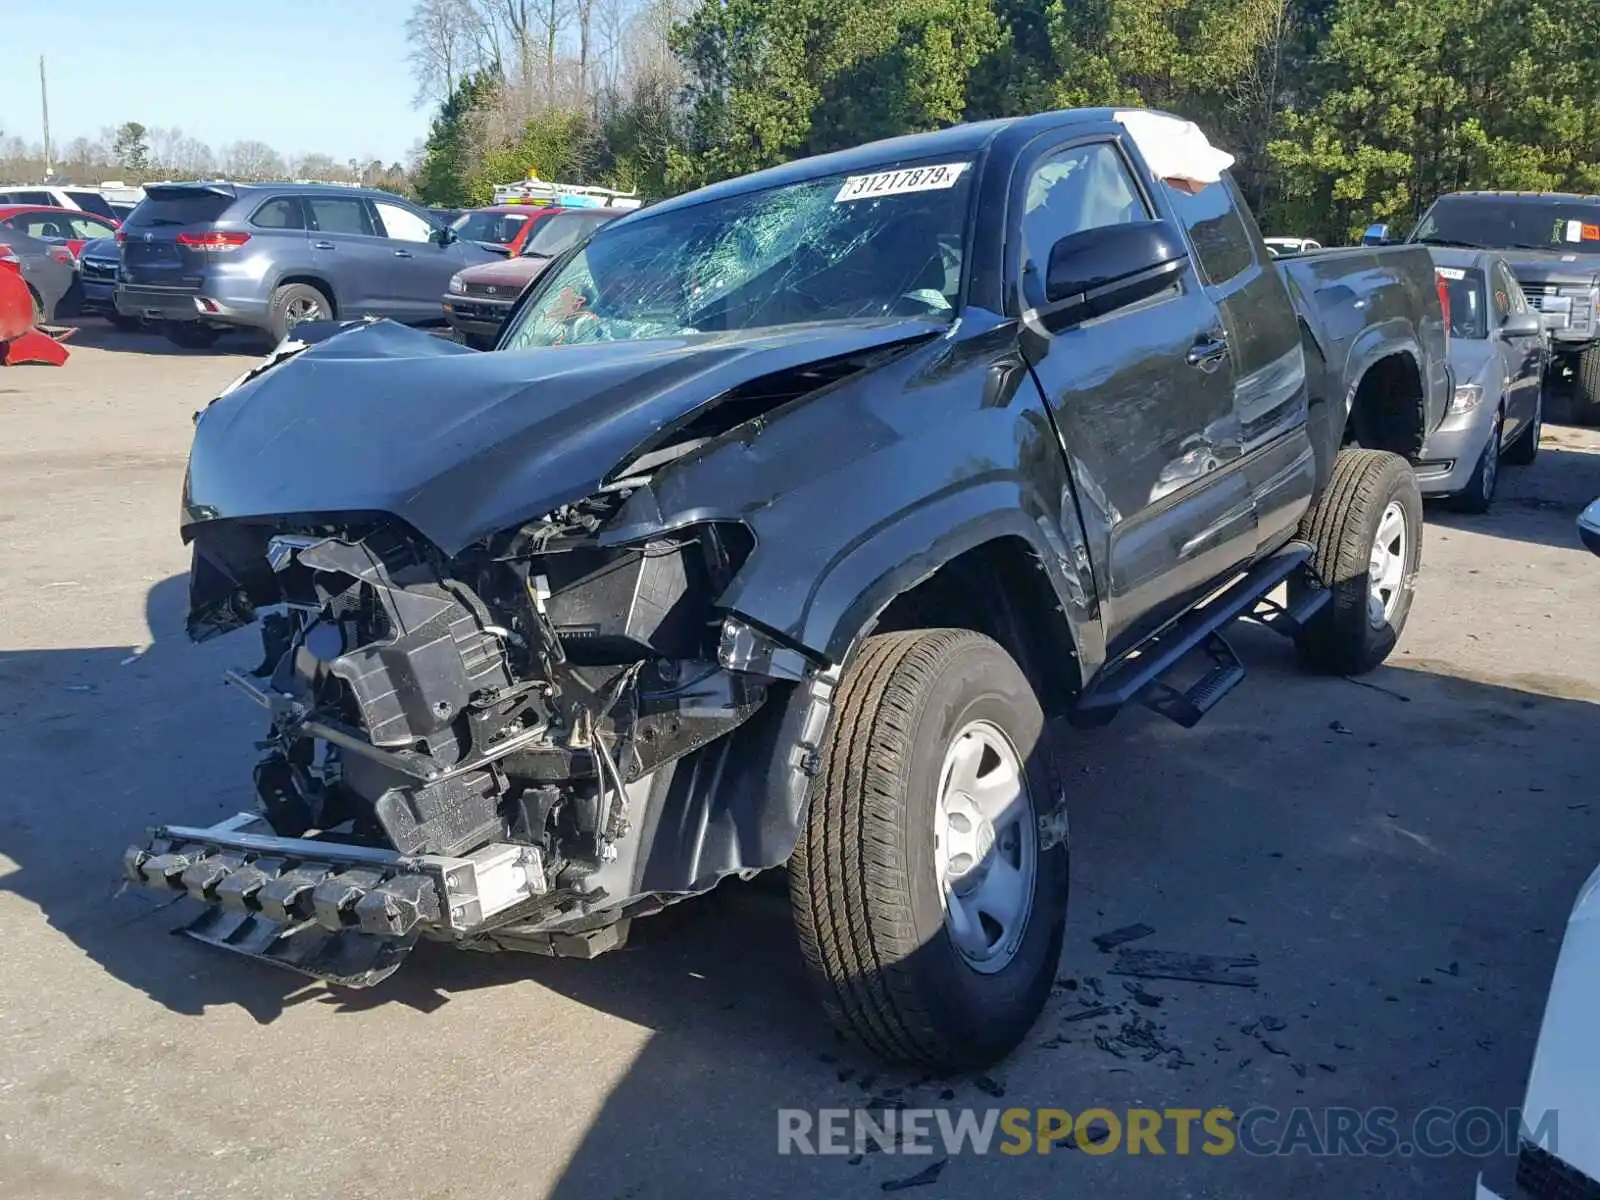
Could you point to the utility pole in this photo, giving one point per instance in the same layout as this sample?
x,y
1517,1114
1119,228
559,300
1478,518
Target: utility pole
x,y
44,104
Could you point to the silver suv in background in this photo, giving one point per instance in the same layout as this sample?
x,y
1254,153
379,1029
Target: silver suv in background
x,y
204,257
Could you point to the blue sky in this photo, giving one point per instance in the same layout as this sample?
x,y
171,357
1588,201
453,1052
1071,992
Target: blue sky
x,y
301,75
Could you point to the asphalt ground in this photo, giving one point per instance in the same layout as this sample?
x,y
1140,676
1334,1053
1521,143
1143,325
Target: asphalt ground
x,y
1398,855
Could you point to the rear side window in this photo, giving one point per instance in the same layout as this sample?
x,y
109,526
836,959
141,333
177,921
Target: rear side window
x,y
340,214
44,198
91,202
281,212
1217,232
179,206
57,226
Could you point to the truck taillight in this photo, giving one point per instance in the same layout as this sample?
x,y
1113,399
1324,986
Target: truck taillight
x,y
1444,304
122,236
216,240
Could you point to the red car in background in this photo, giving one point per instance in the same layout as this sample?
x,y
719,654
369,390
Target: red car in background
x,y
503,228
59,226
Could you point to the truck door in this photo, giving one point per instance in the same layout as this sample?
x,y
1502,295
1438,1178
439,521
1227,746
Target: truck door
x,y
1142,398
1264,350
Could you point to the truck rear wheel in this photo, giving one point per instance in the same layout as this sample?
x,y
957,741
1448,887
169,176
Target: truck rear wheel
x,y
929,886
1586,387
1367,530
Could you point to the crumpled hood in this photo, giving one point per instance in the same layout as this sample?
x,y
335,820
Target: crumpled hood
x,y
516,272
461,444
1553,267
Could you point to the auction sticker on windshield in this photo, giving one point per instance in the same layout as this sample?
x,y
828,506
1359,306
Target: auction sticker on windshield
x,y
898,183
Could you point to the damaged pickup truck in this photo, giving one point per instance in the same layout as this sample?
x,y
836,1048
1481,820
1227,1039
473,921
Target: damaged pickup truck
x,y
781,520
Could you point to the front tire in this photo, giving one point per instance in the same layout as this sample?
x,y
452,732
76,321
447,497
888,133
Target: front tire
x,y
1367,530
1586,387
1525,449
928,895
1478,496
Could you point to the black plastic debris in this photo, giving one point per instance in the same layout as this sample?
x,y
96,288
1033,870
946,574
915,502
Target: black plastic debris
x,y
1107,942
1142,997
1237,921
1273,1048
1299,1069
1099,1010
988,1086
1453,969
1273,1024
1093,984
1192,968
928,1174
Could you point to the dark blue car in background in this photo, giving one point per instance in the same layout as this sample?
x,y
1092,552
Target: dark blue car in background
x,y
203,257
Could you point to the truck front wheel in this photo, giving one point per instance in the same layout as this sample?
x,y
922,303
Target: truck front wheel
x,y
930,882
1367,530
1586,387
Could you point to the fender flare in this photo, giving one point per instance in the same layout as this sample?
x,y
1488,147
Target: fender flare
x,y
841,607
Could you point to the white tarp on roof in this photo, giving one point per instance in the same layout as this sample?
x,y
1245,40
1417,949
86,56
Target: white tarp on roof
x,y
1174,148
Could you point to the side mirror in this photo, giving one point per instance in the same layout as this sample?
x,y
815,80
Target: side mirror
x,y
1589,527
1101,270
444,236
1376,235
1522,324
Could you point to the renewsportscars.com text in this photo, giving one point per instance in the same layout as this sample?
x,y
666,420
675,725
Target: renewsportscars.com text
x,y
1319,1132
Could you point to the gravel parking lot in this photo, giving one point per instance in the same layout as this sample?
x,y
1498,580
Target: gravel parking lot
x,y
1399,854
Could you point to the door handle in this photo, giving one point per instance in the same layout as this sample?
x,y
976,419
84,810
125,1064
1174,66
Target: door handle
x,y
403,254
1207,352
322,245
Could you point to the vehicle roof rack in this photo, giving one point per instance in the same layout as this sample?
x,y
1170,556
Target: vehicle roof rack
x,y
537,192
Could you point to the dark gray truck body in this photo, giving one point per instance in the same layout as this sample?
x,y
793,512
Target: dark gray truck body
x,y
679,544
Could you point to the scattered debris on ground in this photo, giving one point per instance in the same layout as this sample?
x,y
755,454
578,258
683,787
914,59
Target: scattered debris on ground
x,y
1107,942
1192,968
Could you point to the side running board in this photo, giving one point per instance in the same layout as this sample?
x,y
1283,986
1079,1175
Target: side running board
x,y
1139,674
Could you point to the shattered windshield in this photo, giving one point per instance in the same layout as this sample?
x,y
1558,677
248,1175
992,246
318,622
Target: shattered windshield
x,y
890,242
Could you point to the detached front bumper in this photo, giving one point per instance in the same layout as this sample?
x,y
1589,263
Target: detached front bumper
x,y
345,913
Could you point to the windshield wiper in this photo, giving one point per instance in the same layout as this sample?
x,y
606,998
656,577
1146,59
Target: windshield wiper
x,y
1443,241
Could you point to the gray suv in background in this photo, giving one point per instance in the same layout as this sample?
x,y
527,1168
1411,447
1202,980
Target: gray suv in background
x,y
203,257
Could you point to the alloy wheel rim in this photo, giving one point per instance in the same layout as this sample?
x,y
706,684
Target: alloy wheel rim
x,y
985,847
1387,568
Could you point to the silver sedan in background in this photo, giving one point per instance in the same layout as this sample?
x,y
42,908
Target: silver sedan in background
x,y
1498,355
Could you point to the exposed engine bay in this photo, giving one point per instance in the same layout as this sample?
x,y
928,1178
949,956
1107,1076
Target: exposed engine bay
x,y
509,709
516,743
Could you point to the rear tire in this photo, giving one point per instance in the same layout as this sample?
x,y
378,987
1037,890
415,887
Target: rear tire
x,y
1525,449
1586,387
1370,492
35,307
1478,496
293,303
881,860
191,335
